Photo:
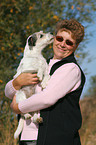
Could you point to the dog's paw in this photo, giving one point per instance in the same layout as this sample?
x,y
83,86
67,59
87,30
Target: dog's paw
x,y
35,117
27,116
40,75
39,120
43,84
45,81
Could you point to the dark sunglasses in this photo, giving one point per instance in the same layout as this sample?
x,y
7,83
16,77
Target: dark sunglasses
x,y
68,42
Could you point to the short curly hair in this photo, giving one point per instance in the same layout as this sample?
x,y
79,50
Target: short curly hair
x,y
72,25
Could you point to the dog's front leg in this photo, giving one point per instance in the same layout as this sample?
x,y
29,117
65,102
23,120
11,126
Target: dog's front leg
x,y
45,81
40,74
46,77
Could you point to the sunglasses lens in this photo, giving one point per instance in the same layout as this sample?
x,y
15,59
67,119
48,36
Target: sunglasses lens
x,y
68,42
59,38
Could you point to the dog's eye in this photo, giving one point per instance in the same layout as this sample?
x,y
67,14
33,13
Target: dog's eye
x,y
41,36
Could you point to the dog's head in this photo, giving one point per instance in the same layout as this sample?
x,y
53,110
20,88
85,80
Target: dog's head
x,y
38,41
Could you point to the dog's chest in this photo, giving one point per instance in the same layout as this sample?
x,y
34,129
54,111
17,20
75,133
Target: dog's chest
x,y
33,64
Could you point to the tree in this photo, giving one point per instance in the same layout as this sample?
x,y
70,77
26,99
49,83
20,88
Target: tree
x,y
19,19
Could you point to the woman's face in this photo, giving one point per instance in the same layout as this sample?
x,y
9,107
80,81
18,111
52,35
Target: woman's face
x,y
63,45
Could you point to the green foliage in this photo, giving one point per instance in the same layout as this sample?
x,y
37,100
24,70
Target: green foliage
x,y
19,19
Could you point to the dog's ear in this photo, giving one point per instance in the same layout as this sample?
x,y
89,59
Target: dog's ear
x,y
32,40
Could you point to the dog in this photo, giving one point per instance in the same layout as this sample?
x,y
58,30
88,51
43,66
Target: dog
x,y
33,62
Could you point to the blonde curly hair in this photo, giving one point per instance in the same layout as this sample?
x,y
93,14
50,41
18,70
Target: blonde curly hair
x,y
73,26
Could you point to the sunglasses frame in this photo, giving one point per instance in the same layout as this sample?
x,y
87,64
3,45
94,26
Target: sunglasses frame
x,y
68,42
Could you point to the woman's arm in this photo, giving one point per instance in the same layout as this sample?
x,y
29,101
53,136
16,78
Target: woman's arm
x,y
64,80
22,80
10,90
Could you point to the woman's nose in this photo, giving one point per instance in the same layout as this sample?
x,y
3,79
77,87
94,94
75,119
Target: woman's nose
x,y
63,43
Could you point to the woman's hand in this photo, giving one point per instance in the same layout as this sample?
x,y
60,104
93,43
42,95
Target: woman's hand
x,y
14,106
25,79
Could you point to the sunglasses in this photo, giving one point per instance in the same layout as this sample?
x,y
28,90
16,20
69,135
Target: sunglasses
x,y
68,42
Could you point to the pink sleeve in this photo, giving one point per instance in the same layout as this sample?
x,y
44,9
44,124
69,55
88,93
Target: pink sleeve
x,y
10,90
65,79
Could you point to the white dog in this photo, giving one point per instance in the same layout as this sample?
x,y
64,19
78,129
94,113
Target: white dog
x,y
33,62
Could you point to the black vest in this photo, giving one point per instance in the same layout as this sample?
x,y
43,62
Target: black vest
x,y
62,121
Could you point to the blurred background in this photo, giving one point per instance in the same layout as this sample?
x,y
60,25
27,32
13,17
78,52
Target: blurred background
x,y
18,20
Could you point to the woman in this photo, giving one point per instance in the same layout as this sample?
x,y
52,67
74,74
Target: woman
x,y
59,101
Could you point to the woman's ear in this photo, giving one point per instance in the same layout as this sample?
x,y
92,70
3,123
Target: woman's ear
x,y
32,40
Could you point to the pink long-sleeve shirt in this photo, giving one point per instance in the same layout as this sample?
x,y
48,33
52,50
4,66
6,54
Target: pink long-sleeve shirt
x,y
64,80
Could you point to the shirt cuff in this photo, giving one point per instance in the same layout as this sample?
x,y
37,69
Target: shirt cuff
x,y
10,90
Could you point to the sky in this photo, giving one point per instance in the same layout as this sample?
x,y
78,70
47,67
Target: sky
x,y
90,66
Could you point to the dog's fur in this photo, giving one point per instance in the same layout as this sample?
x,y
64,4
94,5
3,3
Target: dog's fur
x,y
33,62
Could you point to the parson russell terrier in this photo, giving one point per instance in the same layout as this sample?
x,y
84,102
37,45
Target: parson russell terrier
x,y
33,62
